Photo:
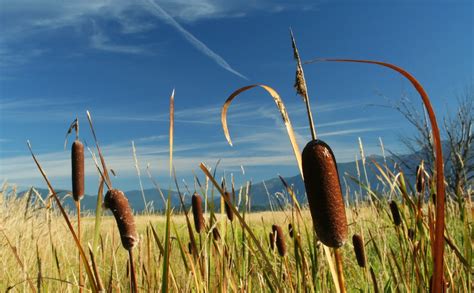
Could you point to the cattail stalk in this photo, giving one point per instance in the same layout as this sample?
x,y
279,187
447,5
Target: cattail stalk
x,y
324,193
228,210
397,220
279,239
77,175
117,202
359,250
196,202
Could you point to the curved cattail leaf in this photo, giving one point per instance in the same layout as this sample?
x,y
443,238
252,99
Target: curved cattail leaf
x,y
324,194
77,164
271,237
228,210
438,243
359,250
197,212
420,178
397,220
280,239
281,108
290,230
117,202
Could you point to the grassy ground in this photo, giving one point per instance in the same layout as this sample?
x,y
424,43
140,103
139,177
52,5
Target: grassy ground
x,y
37,252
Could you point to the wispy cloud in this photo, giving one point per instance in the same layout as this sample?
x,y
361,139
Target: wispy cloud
x,y
159,12
101,42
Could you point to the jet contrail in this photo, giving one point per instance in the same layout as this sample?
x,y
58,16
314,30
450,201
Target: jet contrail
x,y
159,12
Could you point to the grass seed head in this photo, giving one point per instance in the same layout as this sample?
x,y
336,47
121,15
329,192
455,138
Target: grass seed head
x,y
77,163
397,220
228,210
117,202
197,212
280,239
324,193
359,250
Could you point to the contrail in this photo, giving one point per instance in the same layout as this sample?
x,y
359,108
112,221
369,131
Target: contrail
x,y
159,12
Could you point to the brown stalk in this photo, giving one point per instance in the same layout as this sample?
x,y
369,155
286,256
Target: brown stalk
x,y
438,245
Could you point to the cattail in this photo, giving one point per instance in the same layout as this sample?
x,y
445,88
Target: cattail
x,y
197,212
411,233
420,178
359,250
216,234
271,236
290,230
117,202
190,248
324,193
280,239
228,210
395,213
77,163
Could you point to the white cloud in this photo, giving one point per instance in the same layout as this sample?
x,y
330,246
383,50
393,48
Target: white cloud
x,y
23,19
101,42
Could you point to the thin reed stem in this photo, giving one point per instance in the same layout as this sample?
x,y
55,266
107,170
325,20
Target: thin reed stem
x,y
133,276
340,272
81,279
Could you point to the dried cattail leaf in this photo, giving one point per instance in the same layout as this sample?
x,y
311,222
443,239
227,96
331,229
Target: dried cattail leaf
x,y
197,212
117,202
280,239
228,210
324,193
77,164
281,107
359,250
290,230
395,213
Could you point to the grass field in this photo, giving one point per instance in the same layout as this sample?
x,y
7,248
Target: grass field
x,y
38,252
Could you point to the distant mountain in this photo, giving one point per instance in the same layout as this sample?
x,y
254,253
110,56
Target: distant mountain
x,y
268,191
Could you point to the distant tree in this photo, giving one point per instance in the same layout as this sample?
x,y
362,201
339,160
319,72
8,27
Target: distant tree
x,y
458,139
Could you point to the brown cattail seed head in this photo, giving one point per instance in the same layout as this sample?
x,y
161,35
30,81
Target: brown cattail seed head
x,y
290,230
324,193
216,234
280,239
228,210
77,163
420,178
271,237
197,212
359,250
411,233
395,213
117,202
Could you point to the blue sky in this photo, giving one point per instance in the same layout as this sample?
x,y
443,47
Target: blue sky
x,y
121,59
